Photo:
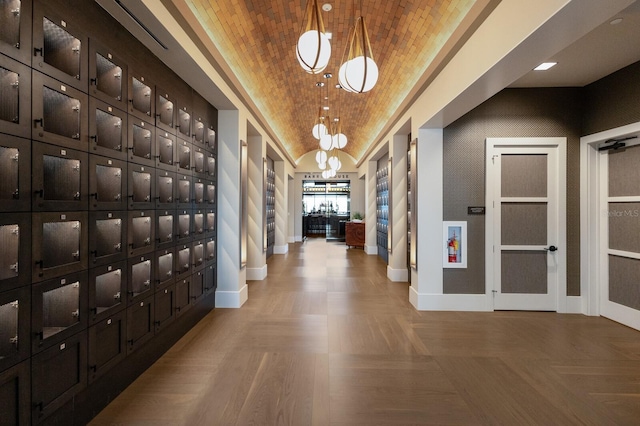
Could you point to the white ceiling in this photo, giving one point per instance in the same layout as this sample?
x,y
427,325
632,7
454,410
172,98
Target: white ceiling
x,y
601,52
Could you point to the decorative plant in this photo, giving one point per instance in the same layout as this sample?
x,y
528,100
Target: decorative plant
x,y
357,216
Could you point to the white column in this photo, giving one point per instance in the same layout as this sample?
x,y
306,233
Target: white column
x,y
282,190
256,257
397,266
371,242
232,280
291,209
426,282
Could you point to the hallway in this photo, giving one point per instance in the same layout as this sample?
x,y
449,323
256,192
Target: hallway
x,y
326,339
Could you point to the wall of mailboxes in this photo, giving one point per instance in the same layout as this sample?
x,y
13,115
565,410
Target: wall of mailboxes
x,y
107,201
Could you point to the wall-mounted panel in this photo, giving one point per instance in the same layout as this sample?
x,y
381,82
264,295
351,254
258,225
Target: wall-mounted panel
x,y
166,111
107,183
15,96
107,76
140,277
141,182
165,150
184,119
210,279
197,286
183,261
15,395
60,48
198,255
107,237
107,130
165,260
165,311
107,344
183,296
165,189
141,143
183,226
15,33
141,231
183,191
183,156
59,244
15,174
199,224
140,327
210,250
15,246
15,324
58,374
60,178
141,97
166,224
107,289
210,222
58,309
59,113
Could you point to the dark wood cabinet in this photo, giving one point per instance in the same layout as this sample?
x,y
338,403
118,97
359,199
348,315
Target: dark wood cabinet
x,y
355,234
107,209
15,395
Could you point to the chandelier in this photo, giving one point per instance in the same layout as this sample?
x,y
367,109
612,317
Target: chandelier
x,y
313,49
331,140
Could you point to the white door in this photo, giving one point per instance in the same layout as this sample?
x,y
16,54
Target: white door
x,y
620,233
526,223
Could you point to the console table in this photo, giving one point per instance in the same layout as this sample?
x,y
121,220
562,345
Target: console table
x,y
354,234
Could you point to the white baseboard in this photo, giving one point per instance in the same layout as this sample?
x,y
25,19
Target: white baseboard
x,y
371,250
257,274
232,299
575,305
397,275
291,239
281,249
297,239
450,302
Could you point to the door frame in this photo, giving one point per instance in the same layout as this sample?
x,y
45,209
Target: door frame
x,y
591,244
561,255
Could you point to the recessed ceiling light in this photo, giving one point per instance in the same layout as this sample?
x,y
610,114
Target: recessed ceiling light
x,y
616,21
544,66
326,7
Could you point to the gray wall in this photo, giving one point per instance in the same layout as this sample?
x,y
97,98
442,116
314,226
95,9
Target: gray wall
x,y
511,113
613,101
570,112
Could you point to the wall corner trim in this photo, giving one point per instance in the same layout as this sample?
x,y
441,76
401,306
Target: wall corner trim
x,y
397,275
450,302
232,299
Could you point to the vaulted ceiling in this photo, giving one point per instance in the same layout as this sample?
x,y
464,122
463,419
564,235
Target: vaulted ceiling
x,y
257,40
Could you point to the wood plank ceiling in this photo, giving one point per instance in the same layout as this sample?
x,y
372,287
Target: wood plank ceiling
x,y
257,39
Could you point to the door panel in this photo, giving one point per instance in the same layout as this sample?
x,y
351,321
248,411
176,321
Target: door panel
x,y
525,222
619,234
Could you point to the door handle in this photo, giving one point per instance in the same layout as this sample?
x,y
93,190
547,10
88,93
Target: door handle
x,y
551,248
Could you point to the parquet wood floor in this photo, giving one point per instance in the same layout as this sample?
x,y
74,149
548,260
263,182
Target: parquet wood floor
x,y
326,339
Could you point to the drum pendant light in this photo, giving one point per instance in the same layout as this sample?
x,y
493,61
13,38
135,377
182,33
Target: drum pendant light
x,y
313,49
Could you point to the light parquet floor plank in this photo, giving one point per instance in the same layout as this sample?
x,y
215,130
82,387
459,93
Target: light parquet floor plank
x,y
326,339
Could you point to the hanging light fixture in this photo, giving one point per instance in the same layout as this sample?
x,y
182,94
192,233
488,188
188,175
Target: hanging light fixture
x,y
326,138
321,157
339,139
319,128
313,49
358,72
